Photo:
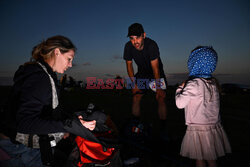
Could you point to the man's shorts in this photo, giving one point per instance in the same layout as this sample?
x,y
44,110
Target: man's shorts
x,y
149,84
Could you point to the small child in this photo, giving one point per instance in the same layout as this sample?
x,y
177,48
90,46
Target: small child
x,y
205,138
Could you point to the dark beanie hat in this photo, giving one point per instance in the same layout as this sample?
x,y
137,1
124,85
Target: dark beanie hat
x,y
135,29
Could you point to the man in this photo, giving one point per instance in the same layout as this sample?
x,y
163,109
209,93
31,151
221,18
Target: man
x,y
145,53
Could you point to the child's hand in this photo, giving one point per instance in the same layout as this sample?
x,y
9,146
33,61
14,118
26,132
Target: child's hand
x,y
183,83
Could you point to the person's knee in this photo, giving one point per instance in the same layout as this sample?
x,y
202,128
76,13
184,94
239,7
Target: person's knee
x,y
161,100
137,98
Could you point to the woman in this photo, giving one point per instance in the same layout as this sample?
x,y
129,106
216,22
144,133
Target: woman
x,y
40,121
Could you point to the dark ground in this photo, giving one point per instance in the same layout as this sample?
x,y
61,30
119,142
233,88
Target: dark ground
x,y
235,111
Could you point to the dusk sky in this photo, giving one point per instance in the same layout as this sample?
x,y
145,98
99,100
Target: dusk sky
x,y
99,28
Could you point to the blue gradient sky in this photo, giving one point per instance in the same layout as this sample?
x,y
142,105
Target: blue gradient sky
x,y
98,28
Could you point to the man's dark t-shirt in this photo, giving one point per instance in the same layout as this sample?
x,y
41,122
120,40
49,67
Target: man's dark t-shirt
x,y
143,58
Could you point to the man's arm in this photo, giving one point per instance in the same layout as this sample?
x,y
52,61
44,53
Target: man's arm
x,y
156,71
130,69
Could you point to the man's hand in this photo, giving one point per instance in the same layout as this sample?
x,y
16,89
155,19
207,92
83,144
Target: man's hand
x,y
136,90
160,93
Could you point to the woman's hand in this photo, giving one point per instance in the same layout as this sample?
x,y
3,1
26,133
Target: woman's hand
x,y
88,124
66,135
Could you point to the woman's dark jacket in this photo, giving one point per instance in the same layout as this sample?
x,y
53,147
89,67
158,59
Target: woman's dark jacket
x,y
29,108
34,100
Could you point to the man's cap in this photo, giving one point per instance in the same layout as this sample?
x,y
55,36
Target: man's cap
x,y
135,29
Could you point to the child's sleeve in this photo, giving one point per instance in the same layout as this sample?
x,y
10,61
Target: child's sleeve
x,y
183,96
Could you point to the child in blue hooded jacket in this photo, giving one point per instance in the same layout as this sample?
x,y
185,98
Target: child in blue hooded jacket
x,y
205,139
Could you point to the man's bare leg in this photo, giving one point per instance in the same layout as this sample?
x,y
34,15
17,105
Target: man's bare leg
x,y
162,108
136,105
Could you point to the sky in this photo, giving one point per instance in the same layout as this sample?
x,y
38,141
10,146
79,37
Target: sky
x,y
99,29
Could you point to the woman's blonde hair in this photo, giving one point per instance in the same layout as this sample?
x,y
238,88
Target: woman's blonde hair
x,y
45,50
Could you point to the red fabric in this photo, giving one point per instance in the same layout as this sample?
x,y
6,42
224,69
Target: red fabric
x,y
92,152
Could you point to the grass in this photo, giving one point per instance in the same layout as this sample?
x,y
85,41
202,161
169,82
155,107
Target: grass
x,y
235,111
